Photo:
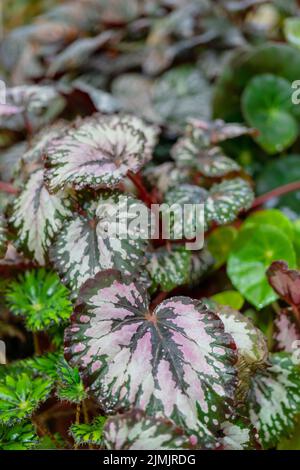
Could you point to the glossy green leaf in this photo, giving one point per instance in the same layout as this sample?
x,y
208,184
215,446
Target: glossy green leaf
x,y
220,243
231,298
21,436
271,217
252,253
69,384
267,105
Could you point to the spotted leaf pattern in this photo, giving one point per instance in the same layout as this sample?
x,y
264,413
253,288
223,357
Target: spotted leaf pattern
x,y
239,434
38,216
136,431
176,361
274,399
226,200
89,241
97,152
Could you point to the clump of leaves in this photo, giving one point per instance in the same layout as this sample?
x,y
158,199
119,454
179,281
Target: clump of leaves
x,y
40,298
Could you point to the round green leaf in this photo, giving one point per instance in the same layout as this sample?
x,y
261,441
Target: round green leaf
x,y
253,252
220,242
267,106
271,217
231,298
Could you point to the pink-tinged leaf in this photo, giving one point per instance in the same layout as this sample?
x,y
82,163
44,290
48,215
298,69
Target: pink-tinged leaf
x,y
239,434
38,216
176,361
97,152
89,242
137,431
219,130
285,282
165,176
287,331
9,110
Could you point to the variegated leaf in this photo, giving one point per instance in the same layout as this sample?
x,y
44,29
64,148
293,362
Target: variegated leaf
x,y
239,434
226,200
176,361
251,345
274,399
182,215
285,282
136,431
38,104
89,433
219,130
38,216
97,152
165,176
287,332
89,241
3,236
169,268
201,263
191,152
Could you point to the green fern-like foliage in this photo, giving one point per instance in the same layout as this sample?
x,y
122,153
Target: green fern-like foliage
x,y
19,437
89,433
70,386
20,396
40,298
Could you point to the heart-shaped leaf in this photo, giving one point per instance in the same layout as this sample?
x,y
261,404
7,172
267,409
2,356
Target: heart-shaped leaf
x,y
136,431
252,253
87,243
274,399
226,200
38,216
40,298
20,396
176,361
285,282
183,216
18,437
169,268
267,105
97,152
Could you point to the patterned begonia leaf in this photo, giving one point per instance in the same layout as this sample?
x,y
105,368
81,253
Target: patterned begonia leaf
x,y
274,399
219,130
165,176
7,110
69,386
20,396
254,250
39,103
3,236
38,216
136,431
183,217
97,152
169,268
19,437
225,200
285,282
89,433
287,332
201,263
252,349
239,434
176,361
84,246
192,152
40,298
